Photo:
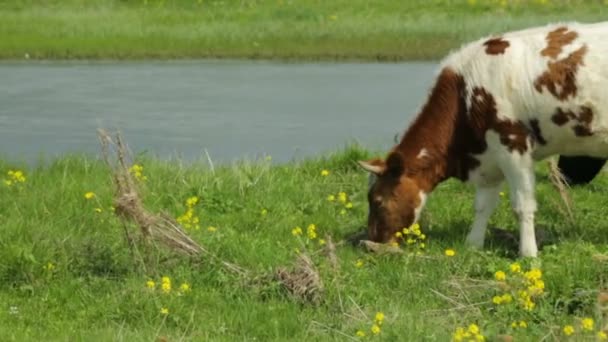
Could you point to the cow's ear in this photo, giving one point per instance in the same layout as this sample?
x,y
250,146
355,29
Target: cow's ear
x,y
395,164
376,166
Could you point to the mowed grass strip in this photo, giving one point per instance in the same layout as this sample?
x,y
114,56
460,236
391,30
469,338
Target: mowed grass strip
x,y
67,272
271,29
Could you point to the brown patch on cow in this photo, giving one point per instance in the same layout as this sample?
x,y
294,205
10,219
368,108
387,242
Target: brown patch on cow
x,y
496,46
513,134
556,40
582,118
560,76
537,134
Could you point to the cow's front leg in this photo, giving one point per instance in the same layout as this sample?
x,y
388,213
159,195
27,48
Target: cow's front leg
x,y
519,171
486,200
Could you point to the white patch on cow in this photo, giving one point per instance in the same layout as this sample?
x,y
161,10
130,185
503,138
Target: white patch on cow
x,y
422,196
512,136
423,153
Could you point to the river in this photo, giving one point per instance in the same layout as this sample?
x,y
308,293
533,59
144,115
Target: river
x,y
231,109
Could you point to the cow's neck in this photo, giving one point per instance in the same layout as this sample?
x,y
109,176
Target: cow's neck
x,y
435,145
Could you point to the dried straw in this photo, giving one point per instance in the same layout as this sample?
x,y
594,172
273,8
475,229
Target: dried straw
x,y
129,208
303,282
559,182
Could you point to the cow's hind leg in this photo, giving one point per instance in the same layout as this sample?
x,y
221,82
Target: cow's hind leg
x,y
519,172
486,200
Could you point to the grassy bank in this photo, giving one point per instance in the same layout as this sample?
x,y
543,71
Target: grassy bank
x,y
67,272
286,29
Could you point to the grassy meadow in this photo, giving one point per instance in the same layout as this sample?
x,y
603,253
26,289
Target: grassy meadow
x,y
67,272
382,30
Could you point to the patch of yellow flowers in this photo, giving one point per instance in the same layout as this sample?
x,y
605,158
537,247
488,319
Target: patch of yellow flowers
x,y
586,325
375,329
341,198
189,219
311,233
166,286
138,172
14,177
472,333
412,236
525,286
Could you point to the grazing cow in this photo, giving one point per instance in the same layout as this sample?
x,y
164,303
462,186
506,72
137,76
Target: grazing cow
x,y
498,105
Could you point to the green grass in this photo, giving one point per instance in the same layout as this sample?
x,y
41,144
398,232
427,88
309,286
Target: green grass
x,y
97,290
383,30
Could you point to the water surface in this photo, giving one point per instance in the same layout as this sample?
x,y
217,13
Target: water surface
x,y
232,109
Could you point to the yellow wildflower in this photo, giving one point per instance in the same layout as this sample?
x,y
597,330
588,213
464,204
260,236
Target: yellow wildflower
x,y
360,333
515,267
533,274
450,252
348,205
342,197
523,324
359,263
375,329
324,173
16,176
602,336
343,212
398,234
507,298
473,329
587,324
322,242
297,231
89,195
263,212
568,330
165,279
49,266
98,210
164,311
185,287
497,300
379,317
192,201
150,284
137,171
500,276
311,231
166,287
331,198
211,229
415,229
460,334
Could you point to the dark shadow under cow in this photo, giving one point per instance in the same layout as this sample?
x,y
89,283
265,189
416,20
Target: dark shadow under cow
x,y
580,170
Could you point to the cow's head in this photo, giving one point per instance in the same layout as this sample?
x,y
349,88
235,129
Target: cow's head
x,y
395,198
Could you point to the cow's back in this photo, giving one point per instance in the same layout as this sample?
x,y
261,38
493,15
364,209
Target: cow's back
x,y
552,77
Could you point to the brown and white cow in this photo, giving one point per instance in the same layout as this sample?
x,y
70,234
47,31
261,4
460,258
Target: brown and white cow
x,y
497,105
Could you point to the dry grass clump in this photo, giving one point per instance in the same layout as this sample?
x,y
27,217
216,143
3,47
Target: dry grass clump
x,y
303,282
128,204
